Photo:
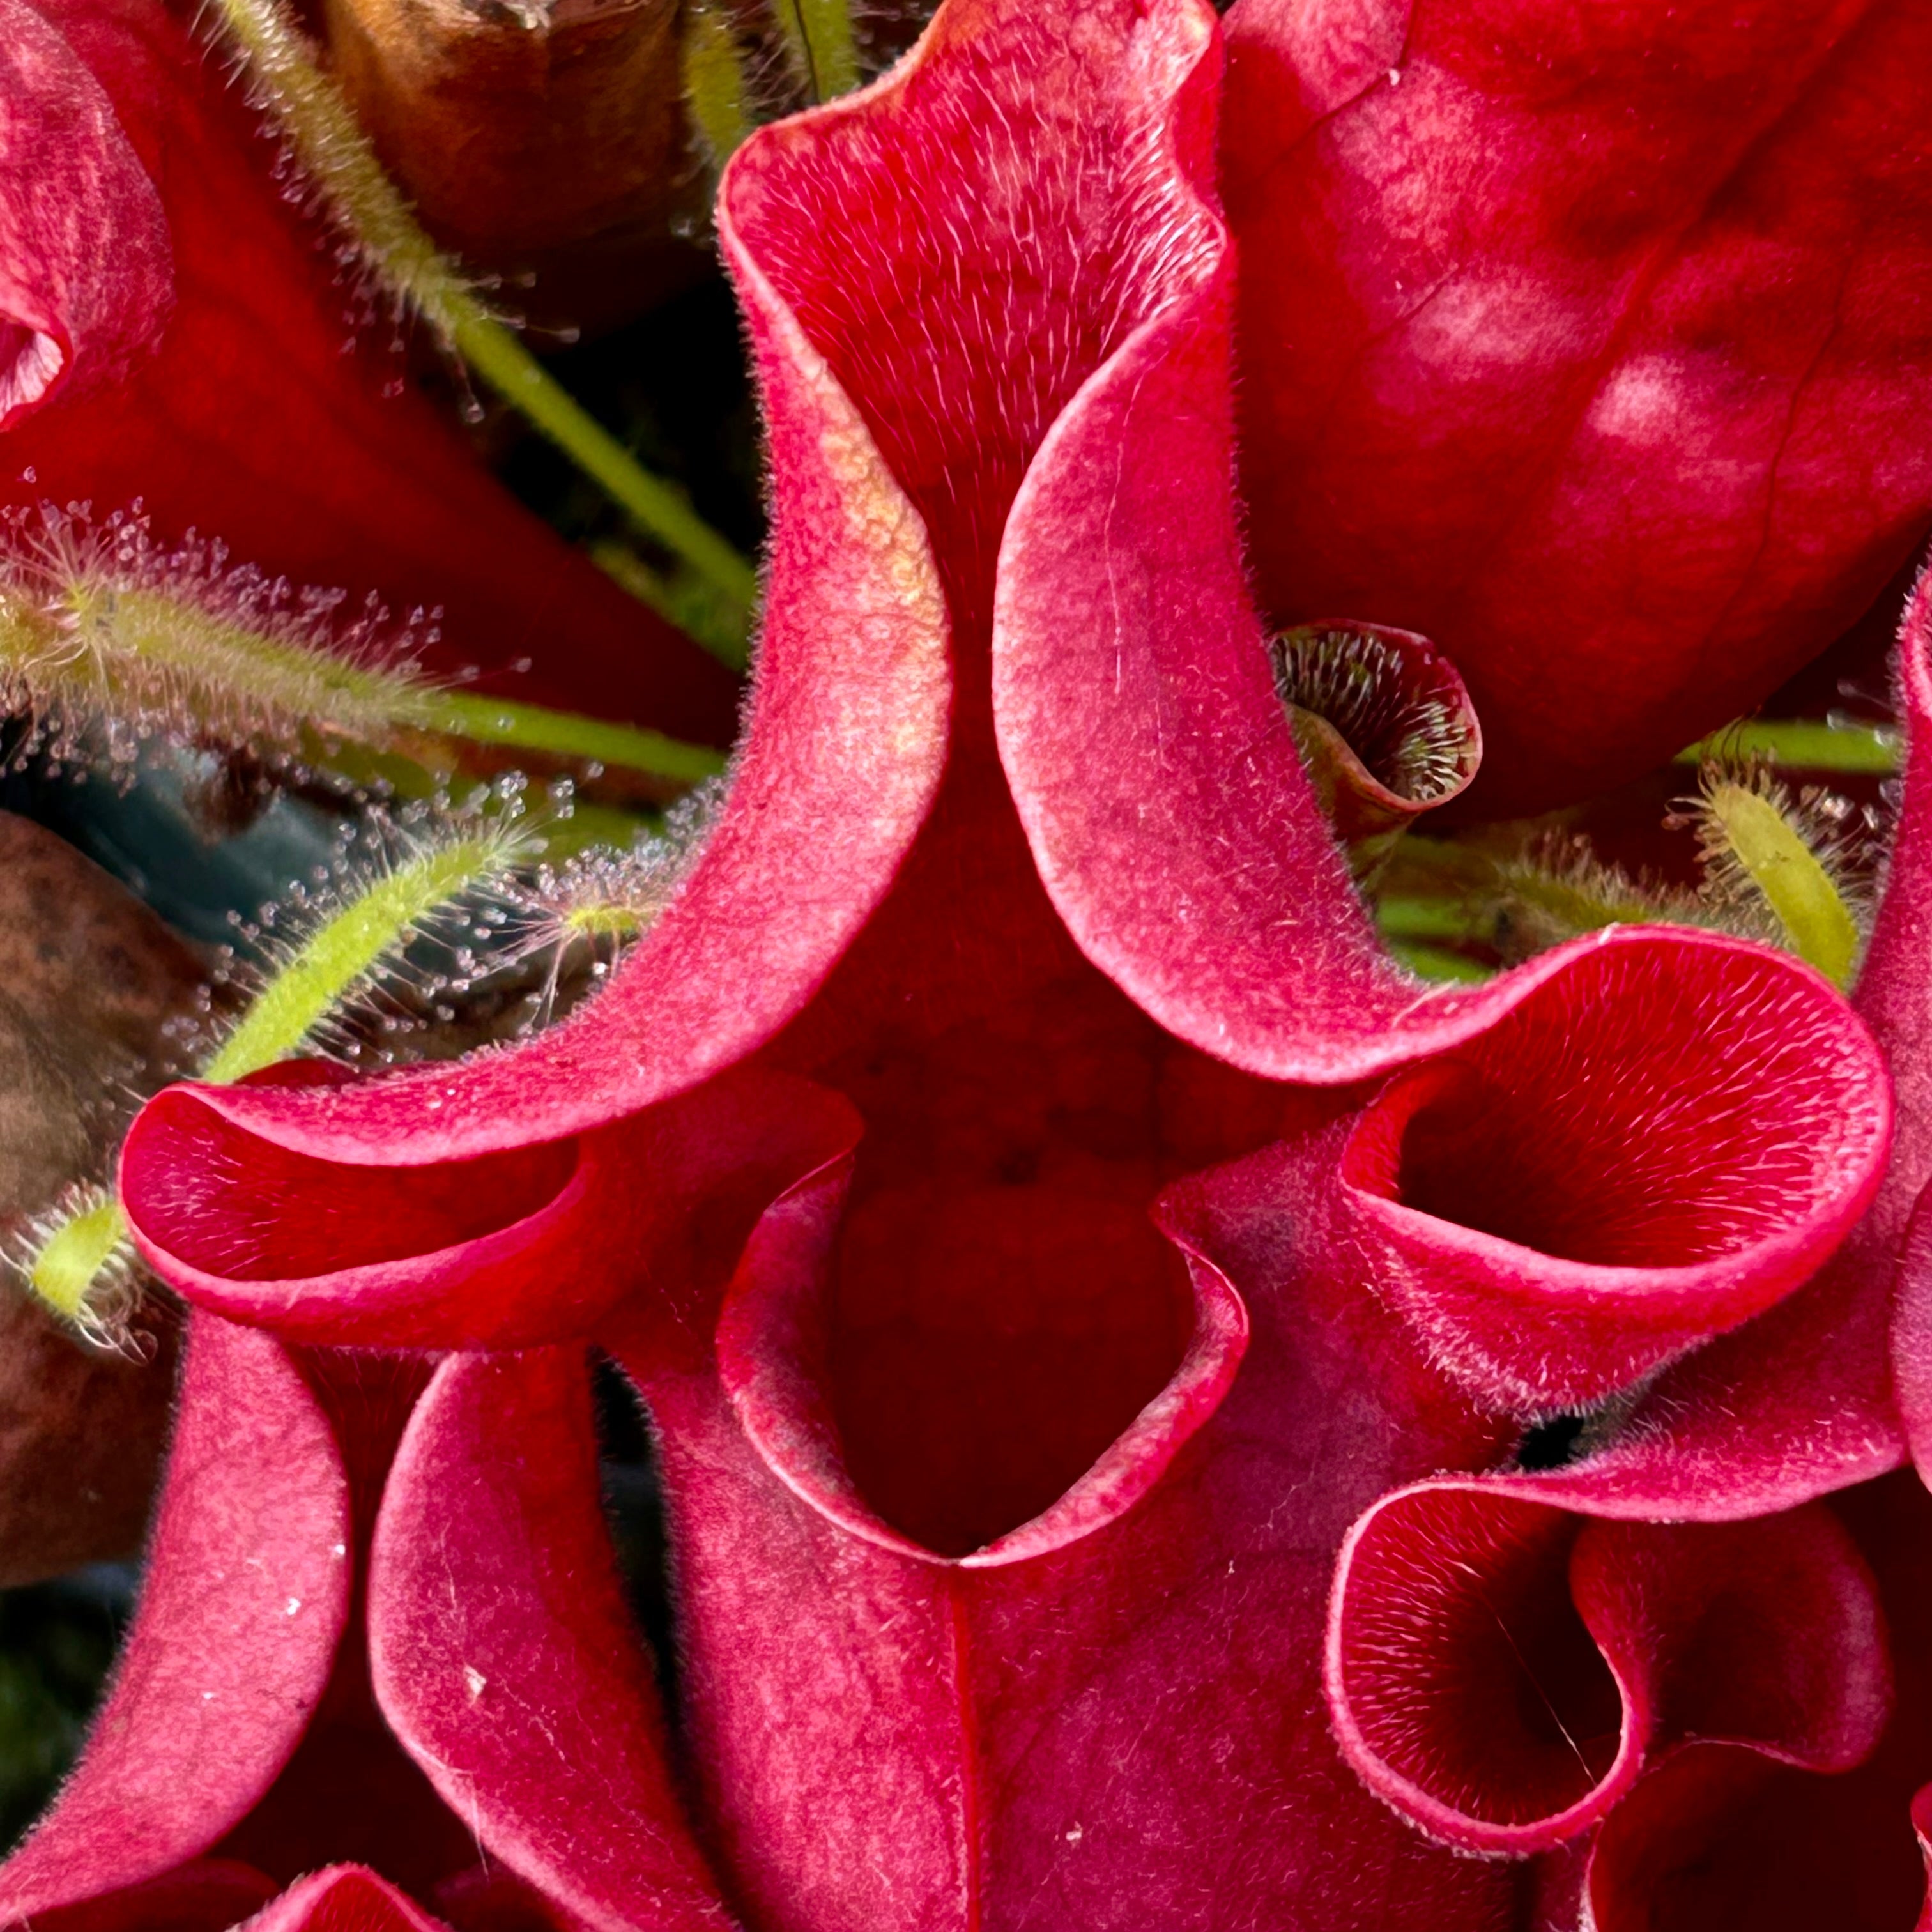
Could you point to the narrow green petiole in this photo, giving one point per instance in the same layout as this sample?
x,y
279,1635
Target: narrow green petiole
x,y
73,1256
1439,890
1458,865
332,148
589,826
1802,743
818,34
339,956
150,650
660,511
562,734
1784,868
714,81
691,602
329,142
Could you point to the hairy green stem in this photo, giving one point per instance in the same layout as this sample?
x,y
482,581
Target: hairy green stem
x,y
1423,919
691,602
149,650
64,1270
332,148
1438,963
659,511
90,1242
818,34
339,954
563,734
714,81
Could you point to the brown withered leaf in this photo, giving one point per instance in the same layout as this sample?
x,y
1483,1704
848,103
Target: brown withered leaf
x,y
89,979
546,137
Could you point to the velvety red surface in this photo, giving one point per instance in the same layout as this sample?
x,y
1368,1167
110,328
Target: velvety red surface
x,y
1003,1524
243,1746
504,1656
206,1895
1897,988
1799,1402
1591,343
1500,1670
344,1898
1136,740
1558,1214
1054,1728
1731,1840
1804,1400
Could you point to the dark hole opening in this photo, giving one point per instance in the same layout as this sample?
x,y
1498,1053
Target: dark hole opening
x,y
1409,735
987,1346
633,1499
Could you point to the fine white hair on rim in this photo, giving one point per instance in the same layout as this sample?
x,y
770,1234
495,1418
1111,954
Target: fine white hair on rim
x,y
106,1319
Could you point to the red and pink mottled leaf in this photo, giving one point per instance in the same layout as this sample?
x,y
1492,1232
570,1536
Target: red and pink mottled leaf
x,y
1153,767
841,755
1643,1153
1131,703
912,1701
534,1244
1801,1400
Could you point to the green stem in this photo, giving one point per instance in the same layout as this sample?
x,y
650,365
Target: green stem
x,y
714,83
151,650
329,966
695,606
1802,743
500,359
1438,859
592,825
819,35
91,1240
562,734
1438,962
331,146
1562,902
1427,919
617,922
